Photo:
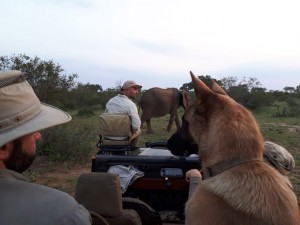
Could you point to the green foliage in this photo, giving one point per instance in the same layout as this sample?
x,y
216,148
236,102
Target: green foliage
x,y
73,141
47,78
239,93
288,108
85,112
105,96
258,98
206,79
84,95
289,89
54,87
294,105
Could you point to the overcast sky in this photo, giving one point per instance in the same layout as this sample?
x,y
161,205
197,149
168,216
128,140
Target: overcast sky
x,y
157,42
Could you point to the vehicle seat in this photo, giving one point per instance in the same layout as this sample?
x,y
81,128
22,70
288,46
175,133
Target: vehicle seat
x,y
100,194
147,214
114,129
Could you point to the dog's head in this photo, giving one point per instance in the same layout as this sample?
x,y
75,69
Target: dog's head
x,y
181,142
219,126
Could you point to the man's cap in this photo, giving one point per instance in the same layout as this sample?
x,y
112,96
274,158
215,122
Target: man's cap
x,y
130,83
21,112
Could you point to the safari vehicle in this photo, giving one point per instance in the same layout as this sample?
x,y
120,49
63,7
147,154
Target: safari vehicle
x,y
145,185
159,192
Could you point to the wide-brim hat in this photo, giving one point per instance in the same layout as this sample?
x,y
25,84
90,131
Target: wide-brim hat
x,y
21,112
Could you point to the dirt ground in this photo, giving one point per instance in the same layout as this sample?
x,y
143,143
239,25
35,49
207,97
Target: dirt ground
x,y
59,175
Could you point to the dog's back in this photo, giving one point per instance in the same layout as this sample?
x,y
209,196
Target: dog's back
x,y
243,190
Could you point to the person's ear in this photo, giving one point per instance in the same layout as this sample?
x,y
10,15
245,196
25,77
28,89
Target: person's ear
x,y
5,150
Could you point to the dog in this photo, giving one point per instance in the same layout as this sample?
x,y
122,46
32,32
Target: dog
x,y
238,188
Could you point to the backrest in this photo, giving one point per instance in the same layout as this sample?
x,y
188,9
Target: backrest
x,y
115,129
115,125
100,192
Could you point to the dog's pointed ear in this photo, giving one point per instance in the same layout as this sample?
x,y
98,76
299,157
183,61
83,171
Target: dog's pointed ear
x,y
200,87
216,88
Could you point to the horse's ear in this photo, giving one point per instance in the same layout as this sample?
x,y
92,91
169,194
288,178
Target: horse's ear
x,y
216,88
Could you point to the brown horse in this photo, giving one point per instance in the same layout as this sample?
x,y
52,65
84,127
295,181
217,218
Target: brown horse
x,y
238,188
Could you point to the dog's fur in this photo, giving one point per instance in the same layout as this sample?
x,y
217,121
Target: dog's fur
x,y
251,193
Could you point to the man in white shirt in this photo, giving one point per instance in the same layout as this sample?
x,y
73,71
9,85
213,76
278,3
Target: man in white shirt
x,y
123,104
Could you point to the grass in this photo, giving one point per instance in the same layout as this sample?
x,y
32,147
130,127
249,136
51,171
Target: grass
x,y
284,131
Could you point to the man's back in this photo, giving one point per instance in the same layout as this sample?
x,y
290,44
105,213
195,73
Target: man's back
x,y
121,104
27,203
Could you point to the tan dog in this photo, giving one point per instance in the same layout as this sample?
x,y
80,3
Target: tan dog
x,y
238,189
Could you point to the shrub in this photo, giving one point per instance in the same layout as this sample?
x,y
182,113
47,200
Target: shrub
x,y
73,141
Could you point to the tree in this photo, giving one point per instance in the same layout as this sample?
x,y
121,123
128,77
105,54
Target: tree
x,y
259,98
84,96
294,105
239,93
249,84
229,82
206,79
253,84
47,78
187,86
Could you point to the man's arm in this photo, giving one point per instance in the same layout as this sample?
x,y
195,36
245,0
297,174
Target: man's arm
x,y
135,118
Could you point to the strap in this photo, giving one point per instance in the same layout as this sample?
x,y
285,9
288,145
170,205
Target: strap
x,y
222,166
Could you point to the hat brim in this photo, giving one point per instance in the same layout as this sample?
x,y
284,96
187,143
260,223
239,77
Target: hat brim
x,y
137,86
48,117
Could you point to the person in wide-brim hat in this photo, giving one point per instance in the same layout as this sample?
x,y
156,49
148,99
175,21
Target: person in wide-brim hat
x,y
22,116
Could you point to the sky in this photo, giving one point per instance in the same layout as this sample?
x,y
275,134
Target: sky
x,y
157,42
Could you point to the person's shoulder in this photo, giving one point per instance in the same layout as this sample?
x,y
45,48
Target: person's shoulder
x,y
51,191
64,204
51,204
60,202
117,98
40,192
111,99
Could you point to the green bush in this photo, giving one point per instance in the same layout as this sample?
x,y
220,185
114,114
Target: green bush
x,y
73,141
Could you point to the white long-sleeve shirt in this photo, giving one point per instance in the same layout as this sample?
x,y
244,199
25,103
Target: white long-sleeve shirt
x,y
122,104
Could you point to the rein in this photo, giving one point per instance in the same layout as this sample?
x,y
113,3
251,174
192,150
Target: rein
x,y
220,167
